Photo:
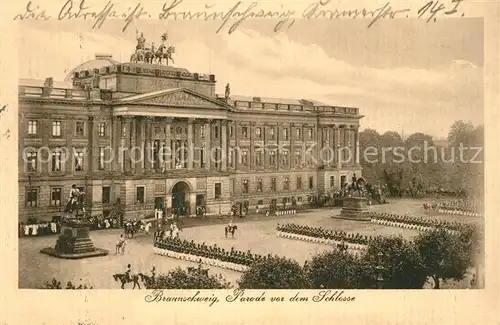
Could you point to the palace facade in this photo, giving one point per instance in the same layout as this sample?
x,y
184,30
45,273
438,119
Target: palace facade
x,y
199,148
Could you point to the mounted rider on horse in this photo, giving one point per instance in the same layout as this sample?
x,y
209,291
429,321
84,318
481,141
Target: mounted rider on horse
x,y
76,201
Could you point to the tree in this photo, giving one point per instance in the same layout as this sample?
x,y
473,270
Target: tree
x,y
274,273
190,278
338,269
369,141
444,254
402,265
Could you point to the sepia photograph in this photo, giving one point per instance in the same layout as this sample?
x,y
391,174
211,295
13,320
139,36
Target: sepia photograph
x,y
324,156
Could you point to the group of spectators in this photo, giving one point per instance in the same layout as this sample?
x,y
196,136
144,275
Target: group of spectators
x,y
35,227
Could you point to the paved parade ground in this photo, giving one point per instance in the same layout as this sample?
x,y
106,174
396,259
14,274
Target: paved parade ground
x,y
257,235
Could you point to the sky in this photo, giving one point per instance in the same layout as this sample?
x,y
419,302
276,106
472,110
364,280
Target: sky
x,y
403,75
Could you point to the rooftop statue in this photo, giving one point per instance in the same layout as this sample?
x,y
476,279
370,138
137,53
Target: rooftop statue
x,y
149,54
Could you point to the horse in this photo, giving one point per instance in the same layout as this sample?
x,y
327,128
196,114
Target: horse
x,y
77,205
147,280
120,247
161,54
132,227
124,279
231,230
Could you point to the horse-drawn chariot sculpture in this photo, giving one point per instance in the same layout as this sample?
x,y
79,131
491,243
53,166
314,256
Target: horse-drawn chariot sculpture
x,y
150,54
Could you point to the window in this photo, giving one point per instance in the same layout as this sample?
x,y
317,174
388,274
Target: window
x,y
285,134
56,128
230,157
202,157
244,132
56,161
284,157
216,131
258,132
79,161
271,133
311,182
245,186
260,202
139,194
299,183
286,184
80,129
273,184
101,130
218,190
55,196
244,158
297,134
310,134
258,158
298,158
272,157
202,131
106,194
332,181
32,197
230,131
32,161
102,153
32,127
259,185
178,130
124,131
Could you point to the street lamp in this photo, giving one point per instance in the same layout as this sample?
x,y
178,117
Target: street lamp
x,y
380,271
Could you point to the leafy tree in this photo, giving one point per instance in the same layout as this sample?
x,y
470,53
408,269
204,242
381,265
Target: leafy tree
x,y
338,269
444,254
274,273
190,278
402,265
370,138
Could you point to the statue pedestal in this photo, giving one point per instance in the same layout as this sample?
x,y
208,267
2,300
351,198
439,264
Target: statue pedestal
x,y
74,242
355,208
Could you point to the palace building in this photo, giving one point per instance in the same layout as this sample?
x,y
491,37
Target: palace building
x,y
199,148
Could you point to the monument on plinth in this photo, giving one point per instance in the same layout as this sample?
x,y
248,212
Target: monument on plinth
x,y
74,241
355,205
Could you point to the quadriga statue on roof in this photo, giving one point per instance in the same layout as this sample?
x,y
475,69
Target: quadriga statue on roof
x,y
146,54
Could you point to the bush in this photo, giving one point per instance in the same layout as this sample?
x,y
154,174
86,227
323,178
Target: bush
x,y
54,284
338,269
190,278
401,265
274,273
446,255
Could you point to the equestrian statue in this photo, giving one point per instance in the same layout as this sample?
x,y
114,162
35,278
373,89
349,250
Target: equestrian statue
x,y
76,202
151,54
356,187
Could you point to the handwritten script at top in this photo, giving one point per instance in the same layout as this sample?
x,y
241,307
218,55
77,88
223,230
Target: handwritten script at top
x,y
233,16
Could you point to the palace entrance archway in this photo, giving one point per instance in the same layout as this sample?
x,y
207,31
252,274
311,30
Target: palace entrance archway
x,y
180,198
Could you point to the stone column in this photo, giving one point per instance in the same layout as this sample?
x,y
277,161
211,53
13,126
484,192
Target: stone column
x,y
190,144
133,144
141,143
224,145
148,144
278,149
208,144
116,129
291,153
356,145
168,143
338,152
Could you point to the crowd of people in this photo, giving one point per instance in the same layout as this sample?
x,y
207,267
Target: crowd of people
x,y
213,252
469,208
416,221
320,232
35,227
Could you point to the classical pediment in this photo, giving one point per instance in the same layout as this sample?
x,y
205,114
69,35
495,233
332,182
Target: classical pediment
x,y
173,98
